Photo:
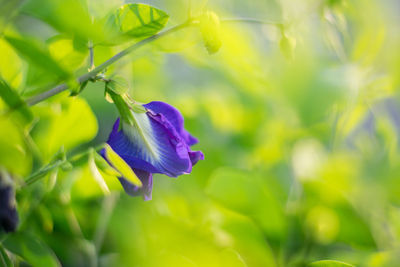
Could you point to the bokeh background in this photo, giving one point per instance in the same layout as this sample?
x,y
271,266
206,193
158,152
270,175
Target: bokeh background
x,y
299,126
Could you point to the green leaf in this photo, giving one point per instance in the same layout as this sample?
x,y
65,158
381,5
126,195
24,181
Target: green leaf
x,y
36,55
137,21
13,156
34,251
62,50
4,259
121,166
329,263
210,30
66,16
246,193
11,65
14,102
122,106
70,124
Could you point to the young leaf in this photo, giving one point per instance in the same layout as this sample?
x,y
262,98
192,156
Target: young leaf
x,y
210,30
36,56
121,166
122,106
329,263
137,21
14,102
96,174
31,249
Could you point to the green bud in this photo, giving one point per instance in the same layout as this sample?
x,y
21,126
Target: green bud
x,y
66,166
75,87
210,30
103,165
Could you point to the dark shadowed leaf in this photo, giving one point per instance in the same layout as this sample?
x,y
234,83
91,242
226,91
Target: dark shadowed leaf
x,y
34,251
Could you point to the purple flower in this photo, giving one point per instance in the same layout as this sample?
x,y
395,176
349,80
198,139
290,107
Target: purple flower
x,y
8,212
156,142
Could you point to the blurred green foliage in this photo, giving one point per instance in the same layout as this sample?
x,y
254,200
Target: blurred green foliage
x,y
299,122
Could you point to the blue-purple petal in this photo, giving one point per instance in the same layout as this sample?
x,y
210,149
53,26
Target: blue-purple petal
x,y
173,158
174,117
133,190
8,212
120,143
195,156
155,143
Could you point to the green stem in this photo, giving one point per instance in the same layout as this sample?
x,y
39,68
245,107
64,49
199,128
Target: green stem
x,y
91,55
45,170
105,215
91,74
42,172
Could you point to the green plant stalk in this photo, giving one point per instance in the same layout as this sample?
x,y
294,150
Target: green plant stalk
x,y
91,56
58,163
42,172
92,73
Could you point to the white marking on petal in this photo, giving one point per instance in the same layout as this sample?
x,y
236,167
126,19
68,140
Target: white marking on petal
x,y
142,135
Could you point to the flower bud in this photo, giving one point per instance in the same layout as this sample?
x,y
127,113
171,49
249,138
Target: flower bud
x,y
8,212
210,30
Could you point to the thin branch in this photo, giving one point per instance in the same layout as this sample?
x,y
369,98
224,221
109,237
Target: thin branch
x,y
91,74
42,172
91,55
74,158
